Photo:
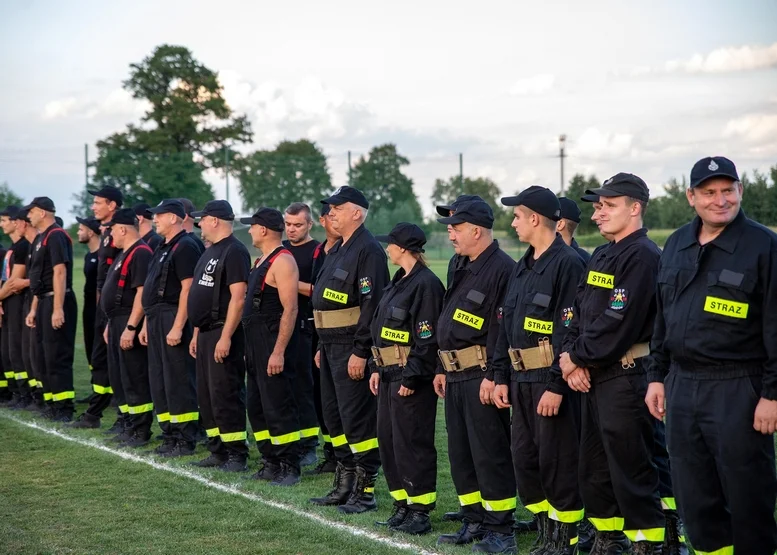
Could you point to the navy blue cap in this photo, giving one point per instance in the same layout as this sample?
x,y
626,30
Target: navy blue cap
x,y
541,200
405,235
188,206
23,215
44,203
347,194
569,209
108,192
713,166
90,222
325,208
124,216
141,209
475,212
590,198
59,221
12,211
220,209
445,209
623,185
268,217
169,206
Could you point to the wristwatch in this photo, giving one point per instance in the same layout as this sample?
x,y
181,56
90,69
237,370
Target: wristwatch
x,y
131,327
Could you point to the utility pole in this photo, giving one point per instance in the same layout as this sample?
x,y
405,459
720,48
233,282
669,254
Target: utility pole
x,y
226,168
461,173
86,164
349,167
562,140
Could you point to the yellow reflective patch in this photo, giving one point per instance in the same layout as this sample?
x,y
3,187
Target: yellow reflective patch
x,y
102,390
47,396
9,375
164,417
212,432
124,408
499,504
33,382
537,326
309,432
536,508
395,335
649,535
335,296
613,524
728,550
20,375
363,446
264,435
327,438
3,383
399,494
141,409
425,499
601,280
185,417
285,438
567,517
669,503
234,436
369,490
339,441
470,498
63,395
468,319
724,307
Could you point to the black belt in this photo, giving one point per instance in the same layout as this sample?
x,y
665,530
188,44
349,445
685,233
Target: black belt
x,y
212,326
51,293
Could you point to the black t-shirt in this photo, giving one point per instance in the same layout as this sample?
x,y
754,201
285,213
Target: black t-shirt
x,y
50,248
319,256
90,274
105,256
235,267
180,256
303,254
152,239
198,241
134,273
17,254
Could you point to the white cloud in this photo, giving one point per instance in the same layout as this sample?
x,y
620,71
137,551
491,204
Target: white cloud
x,y
532,86
728,59
59,108
497,174
117,102
756,128
594,143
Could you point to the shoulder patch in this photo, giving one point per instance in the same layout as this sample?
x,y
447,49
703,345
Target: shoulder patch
x,y
424,329
365,285
618,299
566,316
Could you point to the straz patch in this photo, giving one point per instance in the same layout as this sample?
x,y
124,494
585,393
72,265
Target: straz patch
x,y
537,326
566,316
365,285
335,296
618,299
600,280
424,329
724,307
395,335
468,319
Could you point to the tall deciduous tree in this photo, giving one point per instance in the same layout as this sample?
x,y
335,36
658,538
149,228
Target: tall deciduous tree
x,y
446,190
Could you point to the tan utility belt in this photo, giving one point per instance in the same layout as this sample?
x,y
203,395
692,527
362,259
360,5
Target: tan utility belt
x,y
462,359
524,360
637,350
325,319
390,356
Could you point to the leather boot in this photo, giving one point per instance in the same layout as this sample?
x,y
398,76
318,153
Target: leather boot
x,y
524,526
468,533
362,498
86,421
610,543
288,476
541,545
268,471
585,534
341,487
560,538
674,541
397,516
496,542
457,516
647,548
416,523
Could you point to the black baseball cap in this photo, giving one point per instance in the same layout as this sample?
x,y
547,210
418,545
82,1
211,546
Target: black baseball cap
x,y
405,235
91,223
445,209
188,206
475,212
59,221
541,200
713,166
569,209
12,211
347,194
169,206
220,209
108,192
590,198
623,185
141,209
268,217
44,203
124,216
325,208
23,215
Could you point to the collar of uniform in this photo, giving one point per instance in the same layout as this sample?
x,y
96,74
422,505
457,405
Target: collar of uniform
x,y
574,244
476,265
617,248
167,243
545,258
727,240
400,279
356,234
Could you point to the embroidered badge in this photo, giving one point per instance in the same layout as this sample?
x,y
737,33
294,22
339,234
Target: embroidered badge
x,y
425,330
618,299
106,241
499,313
713,166
365,285
566,316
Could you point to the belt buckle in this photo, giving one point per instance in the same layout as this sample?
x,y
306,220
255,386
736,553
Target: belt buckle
x,y
450,358
376,356
515,359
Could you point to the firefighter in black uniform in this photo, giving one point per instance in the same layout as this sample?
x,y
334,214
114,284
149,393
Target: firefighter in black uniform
x,y
89,234
603,357
345,297
54,310
404,356
145,219
167,331
189,224
567,225
717,278
537,310
271,328
478,432
215,306
121,302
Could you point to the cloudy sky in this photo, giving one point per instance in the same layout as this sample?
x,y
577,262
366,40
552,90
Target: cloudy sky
x,y
645,87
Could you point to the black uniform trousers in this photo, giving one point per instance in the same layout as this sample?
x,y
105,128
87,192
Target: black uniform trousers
x,y
89,320
221,393
31,352
130,369
350,410
618,478
16,372
303,385
545,454
271,401
723,469
102,390
329,450
57,347
7,383
479,452
172,375
661,460
406,439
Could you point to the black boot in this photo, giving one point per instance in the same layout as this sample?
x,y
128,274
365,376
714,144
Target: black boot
x,y
341,487
416,523
308,457
234,463
288,476
674,541
647,548
496,542
585,534
468,533
541,545
398,516
324,466
86,421
211,461
524,526
182,449
457,516
362,498
116,428
138,438
168,444
62,416
560,536
610,543
268,470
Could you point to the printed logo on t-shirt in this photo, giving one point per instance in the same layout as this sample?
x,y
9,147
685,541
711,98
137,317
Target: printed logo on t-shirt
x,y
207,276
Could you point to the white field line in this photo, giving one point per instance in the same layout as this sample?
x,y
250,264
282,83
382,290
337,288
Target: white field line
x,y
231,489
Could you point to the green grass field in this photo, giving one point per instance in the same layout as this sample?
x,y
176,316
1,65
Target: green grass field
x,y
68,491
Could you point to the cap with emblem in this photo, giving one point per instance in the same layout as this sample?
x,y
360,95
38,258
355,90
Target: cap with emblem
x,y
405,235
188,206
475,212
267,217
623,185
141,209
541,200
108,192
569,209
90,222
11,211
44,203
169,206
123,216
445,209
220,209
347,194
713,166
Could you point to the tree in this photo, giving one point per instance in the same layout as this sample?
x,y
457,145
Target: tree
x,y
577,187
446,190
7,198
185,130
292,172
